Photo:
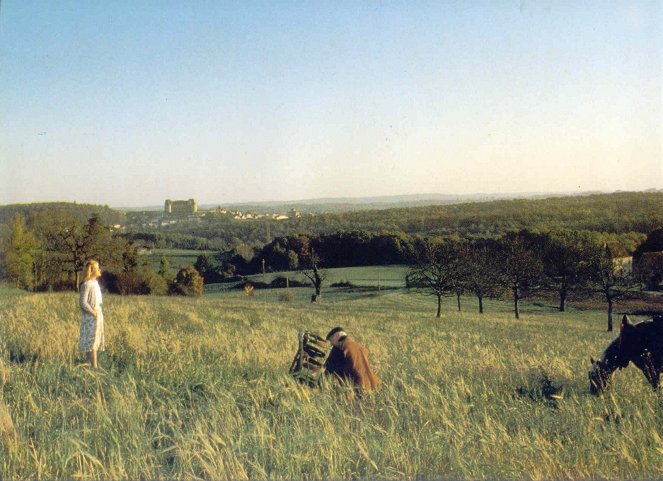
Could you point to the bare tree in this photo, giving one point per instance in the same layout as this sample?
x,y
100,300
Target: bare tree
x,y
482,278
609,278
313,273
521,269
434,269
459,267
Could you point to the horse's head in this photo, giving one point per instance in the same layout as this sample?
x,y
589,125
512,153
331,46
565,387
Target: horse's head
x,y
600,375
616,356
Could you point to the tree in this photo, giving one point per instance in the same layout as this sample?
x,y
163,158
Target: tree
x,y
482,278
19,255
313,273
564,255
459,260
164,267
188,282
206,268
129,257
99,244
433,270
521,269
648,260
73,244
293,260
648,269
609,278
653,243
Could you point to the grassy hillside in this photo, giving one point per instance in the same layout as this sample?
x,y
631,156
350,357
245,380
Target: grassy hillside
x,y
198,388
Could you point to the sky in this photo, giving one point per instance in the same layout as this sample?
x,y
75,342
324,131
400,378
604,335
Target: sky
x,y
129,103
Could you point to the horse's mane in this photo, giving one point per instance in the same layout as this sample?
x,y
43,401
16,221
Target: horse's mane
x,y
612,352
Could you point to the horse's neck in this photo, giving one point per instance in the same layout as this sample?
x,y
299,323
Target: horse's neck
x,y
611,357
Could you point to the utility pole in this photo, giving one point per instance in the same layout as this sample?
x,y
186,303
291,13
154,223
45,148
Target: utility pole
x,y
263,270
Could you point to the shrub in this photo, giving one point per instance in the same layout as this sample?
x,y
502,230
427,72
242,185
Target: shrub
x,y
124,283
187,282
154,283
286,296
254,285
142,282
131,283
281,282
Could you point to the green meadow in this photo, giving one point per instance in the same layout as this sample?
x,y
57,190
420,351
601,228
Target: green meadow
x,y
176,258
198,388
370,276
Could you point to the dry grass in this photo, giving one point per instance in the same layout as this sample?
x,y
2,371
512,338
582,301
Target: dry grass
x,y
8,433
198,389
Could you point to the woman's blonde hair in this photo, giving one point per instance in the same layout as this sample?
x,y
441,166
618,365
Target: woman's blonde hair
x,y
92,270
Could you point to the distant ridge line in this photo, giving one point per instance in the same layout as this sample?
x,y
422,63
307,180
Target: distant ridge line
x,y
393,200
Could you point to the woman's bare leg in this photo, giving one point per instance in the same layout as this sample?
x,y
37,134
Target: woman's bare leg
x,y
92,357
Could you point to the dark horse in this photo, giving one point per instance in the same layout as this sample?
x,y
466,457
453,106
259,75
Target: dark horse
x,y
641,344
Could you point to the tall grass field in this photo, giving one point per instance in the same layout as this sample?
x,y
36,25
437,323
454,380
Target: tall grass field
x,y
198,388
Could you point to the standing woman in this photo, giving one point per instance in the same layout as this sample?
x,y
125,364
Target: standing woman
x,y
92,322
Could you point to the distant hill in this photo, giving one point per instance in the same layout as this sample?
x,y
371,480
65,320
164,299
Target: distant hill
x,y
345,204
350,204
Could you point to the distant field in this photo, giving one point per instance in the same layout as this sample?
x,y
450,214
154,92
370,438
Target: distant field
x,y
374,276
177,258
371,276
197,388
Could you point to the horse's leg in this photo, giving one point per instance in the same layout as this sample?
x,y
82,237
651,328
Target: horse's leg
x,y
646,364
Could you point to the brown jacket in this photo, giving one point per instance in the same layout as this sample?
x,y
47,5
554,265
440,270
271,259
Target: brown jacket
x,y
350,361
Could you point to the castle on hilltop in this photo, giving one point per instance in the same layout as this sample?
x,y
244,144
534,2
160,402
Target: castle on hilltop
x,y
180,208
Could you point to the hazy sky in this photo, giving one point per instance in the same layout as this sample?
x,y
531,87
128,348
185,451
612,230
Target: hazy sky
x,y
130,103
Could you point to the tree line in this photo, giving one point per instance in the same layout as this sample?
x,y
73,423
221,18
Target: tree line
x,y
521,264
52,257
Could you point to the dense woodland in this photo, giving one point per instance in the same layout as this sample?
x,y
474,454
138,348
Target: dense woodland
x,y
620,213
38,214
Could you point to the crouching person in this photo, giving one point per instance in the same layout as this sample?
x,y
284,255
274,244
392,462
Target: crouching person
x,y
348,361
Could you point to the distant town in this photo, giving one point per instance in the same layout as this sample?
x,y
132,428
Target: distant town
x,y
180,211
